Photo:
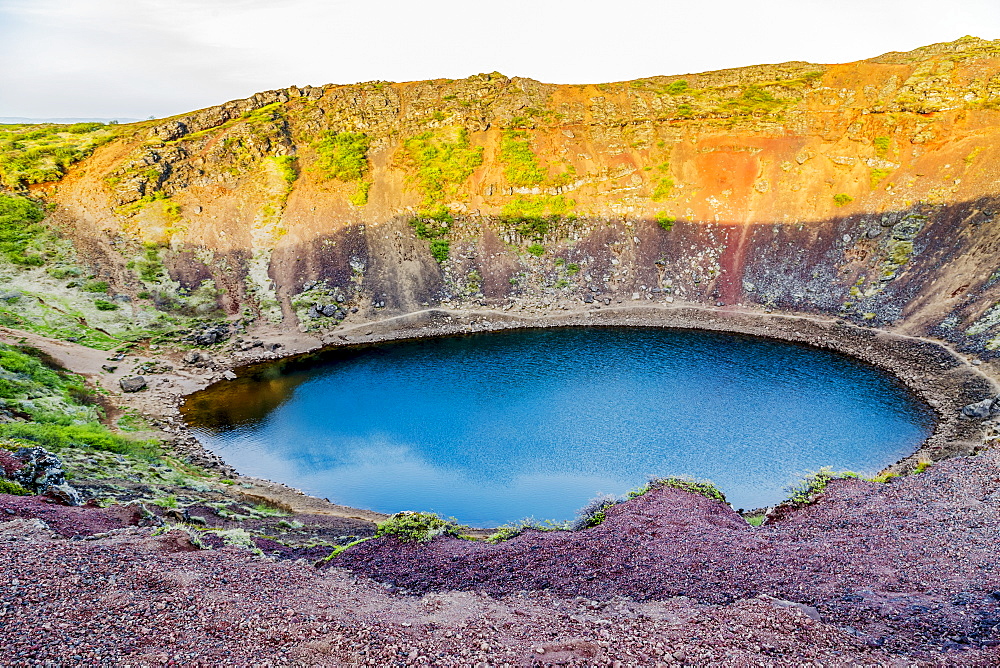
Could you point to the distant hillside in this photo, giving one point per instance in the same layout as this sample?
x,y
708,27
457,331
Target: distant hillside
x,y
22,120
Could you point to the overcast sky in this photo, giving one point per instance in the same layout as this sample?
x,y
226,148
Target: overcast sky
x,y
136,58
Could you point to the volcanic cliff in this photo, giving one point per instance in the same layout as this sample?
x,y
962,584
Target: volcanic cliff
x,y
866,190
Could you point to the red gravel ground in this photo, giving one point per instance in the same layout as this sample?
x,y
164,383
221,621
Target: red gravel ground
x,y
901,574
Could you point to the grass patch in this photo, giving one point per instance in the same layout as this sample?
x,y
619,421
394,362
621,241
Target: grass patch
x,y
533,216
342,155
19,228
521,167
39,153
94,436
537,250
842,199
439,161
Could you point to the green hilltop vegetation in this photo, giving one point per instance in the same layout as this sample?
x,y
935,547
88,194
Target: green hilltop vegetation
x,y
39,153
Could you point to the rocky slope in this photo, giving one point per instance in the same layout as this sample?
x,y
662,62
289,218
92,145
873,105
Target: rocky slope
x,y
866,190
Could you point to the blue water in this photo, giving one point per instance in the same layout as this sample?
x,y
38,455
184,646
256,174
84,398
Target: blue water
x,y
490,428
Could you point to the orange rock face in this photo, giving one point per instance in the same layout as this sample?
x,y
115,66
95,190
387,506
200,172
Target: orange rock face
x,y
865,189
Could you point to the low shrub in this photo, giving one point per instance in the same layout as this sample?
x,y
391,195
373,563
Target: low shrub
x,y
595,512
410,527
105,305
665,221
806,491
705,488
514,529
440,249
95,286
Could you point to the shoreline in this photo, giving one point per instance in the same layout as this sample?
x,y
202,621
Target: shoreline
x,y
930,370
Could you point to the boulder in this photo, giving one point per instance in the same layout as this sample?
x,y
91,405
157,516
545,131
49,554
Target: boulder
x,y
982,409
132,383
42,472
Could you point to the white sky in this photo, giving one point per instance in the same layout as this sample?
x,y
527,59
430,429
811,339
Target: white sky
x,y
136,58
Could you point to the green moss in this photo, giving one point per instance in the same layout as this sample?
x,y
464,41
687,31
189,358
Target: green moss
x,y
439,162
536,249
521,167
11,487
971,157
342,155
900,252
433,223
842,199
881,145
411,527
340,549
149,266
677,87
877,175
754,101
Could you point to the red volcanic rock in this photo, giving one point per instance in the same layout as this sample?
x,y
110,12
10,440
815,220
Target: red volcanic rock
x,y
907,563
